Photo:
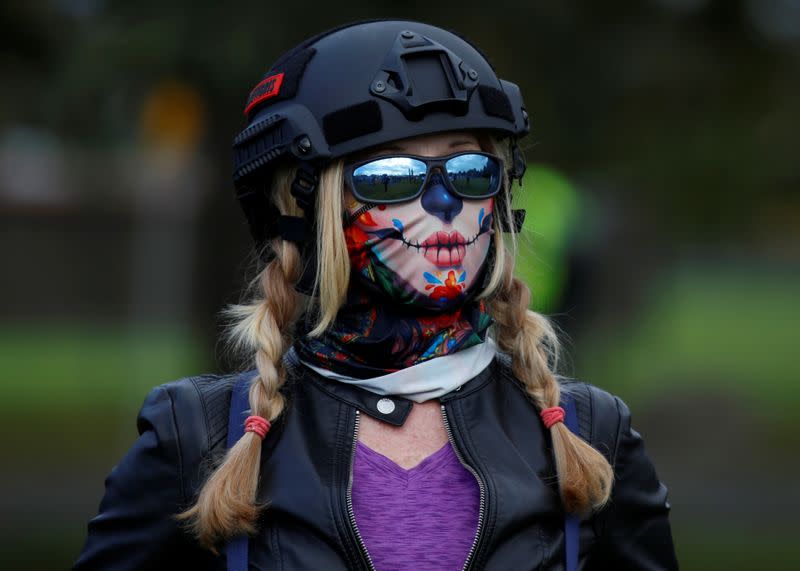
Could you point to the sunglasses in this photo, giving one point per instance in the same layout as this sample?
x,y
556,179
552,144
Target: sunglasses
x,y
398,178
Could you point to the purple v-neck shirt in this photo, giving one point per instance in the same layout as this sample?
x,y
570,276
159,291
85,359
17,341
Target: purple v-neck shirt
x,y
422,519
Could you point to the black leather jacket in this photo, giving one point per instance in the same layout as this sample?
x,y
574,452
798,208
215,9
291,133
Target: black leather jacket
x,y
306,466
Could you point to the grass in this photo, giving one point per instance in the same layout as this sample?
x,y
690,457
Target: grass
x,y
732,328
66,365
725,547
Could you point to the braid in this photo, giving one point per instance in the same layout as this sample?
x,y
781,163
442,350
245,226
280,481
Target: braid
x,y
262,330
584,475
272,333
226,505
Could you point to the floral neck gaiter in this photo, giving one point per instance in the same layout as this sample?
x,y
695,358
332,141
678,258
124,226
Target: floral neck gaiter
x,y
416,268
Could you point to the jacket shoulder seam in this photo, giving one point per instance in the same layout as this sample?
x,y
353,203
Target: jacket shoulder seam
x,y
591,416
596,393
619,430
179,449
207,403
180,452
202,400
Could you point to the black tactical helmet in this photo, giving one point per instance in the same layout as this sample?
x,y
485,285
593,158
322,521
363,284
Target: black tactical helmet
x,y
357,86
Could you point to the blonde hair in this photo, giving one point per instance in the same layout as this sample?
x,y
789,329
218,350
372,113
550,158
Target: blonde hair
x,y
262,329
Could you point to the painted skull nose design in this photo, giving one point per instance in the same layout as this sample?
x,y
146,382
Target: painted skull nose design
x,y
439,201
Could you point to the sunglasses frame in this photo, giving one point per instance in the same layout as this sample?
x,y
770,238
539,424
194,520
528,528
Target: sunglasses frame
x,y
430,164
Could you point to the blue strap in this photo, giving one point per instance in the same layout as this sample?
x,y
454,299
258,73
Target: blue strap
x,y
236,549
571,522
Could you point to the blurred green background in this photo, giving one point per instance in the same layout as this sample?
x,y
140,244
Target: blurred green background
x,y
662,233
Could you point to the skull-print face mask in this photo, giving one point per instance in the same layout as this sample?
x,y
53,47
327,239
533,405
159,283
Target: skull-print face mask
x,y
426,252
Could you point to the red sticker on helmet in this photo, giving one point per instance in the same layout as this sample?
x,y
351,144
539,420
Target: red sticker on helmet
x,y
266,88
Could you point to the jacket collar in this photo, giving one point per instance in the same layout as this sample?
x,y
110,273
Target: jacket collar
x,y
390,409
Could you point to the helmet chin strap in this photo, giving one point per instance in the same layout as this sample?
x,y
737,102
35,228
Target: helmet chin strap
x,y
517,171
518,166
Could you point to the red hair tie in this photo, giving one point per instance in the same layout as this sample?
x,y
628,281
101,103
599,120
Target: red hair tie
x,y
552,415
257,424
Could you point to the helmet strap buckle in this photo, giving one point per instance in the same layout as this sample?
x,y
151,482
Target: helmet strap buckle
x,y
304,188
518,166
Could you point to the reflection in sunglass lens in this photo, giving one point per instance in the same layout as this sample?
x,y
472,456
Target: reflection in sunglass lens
x,y
473,175
392,178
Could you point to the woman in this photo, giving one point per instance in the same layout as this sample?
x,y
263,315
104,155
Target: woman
x,y
402,412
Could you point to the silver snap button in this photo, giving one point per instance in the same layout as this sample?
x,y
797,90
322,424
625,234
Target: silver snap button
x,y
386,406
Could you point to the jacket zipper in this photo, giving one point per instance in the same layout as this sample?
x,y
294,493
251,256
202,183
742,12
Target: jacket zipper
x,y
481,486
350,511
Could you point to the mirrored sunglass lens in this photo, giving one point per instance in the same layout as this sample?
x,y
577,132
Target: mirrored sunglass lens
x,y
474,175
392,178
